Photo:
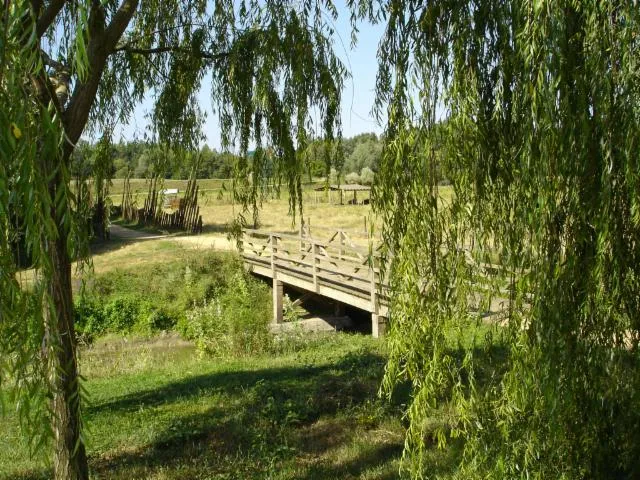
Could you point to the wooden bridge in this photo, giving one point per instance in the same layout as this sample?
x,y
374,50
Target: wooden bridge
x,y
338,266
347,269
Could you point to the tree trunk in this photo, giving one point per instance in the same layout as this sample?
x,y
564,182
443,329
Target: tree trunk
x,y
70,459
70,462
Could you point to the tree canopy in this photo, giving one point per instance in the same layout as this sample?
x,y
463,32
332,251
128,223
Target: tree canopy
x,y
541,147
67,68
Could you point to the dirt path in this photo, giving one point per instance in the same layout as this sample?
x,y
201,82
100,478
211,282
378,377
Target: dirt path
x,y
122,233
215,241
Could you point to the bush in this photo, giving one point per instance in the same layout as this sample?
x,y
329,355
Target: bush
x,y
234,323
89,318
366,176
352,177
123,314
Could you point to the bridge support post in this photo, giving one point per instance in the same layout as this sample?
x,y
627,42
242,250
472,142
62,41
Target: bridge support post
x,y
378,325
277,300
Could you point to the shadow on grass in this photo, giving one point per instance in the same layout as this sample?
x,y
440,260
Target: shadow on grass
x,y
215,228
98,247
294,423
266,419
355,376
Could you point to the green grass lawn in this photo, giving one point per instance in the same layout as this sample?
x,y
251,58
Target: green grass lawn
x,y
159,410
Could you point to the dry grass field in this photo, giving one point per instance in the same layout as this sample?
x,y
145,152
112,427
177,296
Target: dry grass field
x,y
218,210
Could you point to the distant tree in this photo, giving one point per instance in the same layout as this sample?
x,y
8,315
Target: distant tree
x,y
366,176
352,177
141,168
365,154
121,168
349,144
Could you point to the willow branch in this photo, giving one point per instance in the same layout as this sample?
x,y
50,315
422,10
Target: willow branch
x,y
48,16
170,49
50,62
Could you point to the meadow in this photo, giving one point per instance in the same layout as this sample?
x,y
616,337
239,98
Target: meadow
x,y
298,406
218,208
176,390
159,410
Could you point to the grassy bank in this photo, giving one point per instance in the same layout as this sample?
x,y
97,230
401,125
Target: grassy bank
x,y
225,399
159,410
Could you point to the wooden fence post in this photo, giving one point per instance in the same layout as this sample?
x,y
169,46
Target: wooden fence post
x,y
273,241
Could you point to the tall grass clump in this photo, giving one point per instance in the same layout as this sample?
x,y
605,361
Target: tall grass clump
x,y
177,295
232,323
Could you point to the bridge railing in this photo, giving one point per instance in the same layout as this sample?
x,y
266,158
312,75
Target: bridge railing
x,y
335,261
345,263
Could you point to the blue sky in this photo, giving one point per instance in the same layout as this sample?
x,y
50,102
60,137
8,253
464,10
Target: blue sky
x,y
357,97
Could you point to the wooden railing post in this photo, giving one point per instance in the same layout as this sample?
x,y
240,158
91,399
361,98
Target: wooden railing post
x,y
315,264
278,287
372,277
377,322
273,242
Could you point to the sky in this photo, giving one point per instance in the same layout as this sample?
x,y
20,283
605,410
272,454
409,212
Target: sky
x,y
357,97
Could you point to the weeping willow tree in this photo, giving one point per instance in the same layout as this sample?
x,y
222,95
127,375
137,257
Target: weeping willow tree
x,y
532,110
102,175
68,68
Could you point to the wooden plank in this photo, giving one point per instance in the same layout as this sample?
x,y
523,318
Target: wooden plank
x,y
324,290
295,239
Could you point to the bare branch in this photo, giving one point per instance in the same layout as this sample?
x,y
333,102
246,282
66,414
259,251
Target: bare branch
x,y
48,16
57,66
169,49
120,22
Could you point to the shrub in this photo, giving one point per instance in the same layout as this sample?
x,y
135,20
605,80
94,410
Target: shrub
x,y
366,176
123,314
89,318
120,314
234,323
352,177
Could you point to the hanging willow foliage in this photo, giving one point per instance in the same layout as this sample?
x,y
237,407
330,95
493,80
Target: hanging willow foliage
x,y
68,68
532,110
31,218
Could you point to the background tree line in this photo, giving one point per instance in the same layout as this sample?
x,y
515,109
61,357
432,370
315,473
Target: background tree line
x,y
137,158
360,153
